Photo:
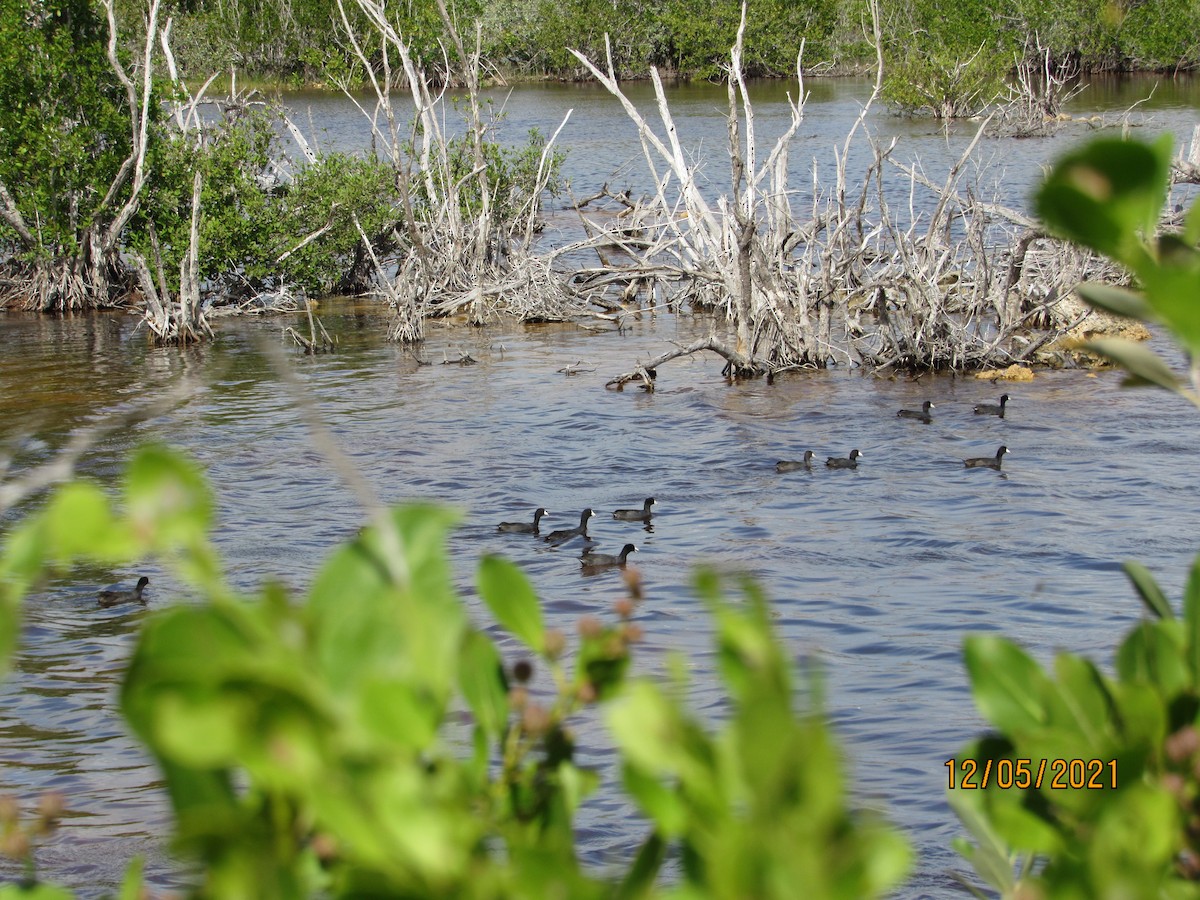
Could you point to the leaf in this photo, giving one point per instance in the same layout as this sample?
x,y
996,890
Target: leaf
x,y
206,685
750,660
887,862
481,677
1088,704
1191,617
1154,654
24,554
1171,287
1191,227
1115,300
576,784
133,884
1175,252
1107,195
35,891
1144,366
79,524
199,729
1148,589
1144,817
1018,826
989,856
649,730
662,803
639,881
170,504
397,713
384,607
10,628
512,600
1009,687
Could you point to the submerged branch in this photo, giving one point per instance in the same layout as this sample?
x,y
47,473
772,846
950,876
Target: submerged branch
x,y
737,364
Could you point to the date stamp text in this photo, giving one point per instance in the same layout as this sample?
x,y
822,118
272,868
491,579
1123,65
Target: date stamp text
x,y
1056,774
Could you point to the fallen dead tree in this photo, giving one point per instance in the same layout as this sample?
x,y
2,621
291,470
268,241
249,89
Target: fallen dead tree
x,y
952,287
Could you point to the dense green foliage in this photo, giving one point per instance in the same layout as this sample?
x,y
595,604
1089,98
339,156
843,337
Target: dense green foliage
x,y
295,41
948,57
313,746
255,212
951,57
68,154
60,101
1119,821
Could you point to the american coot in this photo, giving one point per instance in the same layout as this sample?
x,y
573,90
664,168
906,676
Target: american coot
x,y
921,415
986,462
636,515
791,465
565,534
844,462
112,598
991,409
523,527
596,560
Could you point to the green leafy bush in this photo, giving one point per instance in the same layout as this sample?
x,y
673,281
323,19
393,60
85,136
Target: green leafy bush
x,y
1107,764
308,744
64,125
944,83
947,58
1097,777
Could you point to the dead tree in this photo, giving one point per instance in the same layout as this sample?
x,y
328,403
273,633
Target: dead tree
x,y
457,257
176,318
1039,89
735,254
953,282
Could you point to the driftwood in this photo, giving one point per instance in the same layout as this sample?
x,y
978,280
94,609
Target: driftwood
x,y
312,344
1186,167
736,364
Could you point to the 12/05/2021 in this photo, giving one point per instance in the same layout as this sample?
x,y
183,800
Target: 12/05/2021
x,y
1057,774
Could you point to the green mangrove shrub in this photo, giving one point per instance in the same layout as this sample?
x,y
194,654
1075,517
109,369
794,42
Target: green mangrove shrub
x,y
371,738
1089,784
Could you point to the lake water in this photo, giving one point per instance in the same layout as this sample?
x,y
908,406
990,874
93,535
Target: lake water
x,y
876,573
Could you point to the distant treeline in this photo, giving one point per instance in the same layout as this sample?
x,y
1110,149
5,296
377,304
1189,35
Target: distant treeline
x,y
304,42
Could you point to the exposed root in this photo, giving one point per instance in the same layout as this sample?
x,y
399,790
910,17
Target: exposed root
x,y
182,320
